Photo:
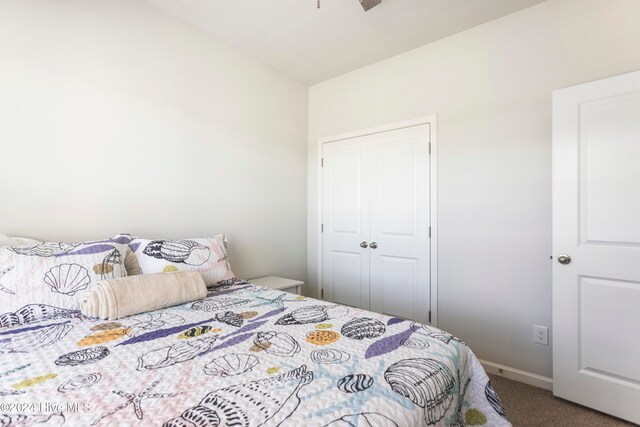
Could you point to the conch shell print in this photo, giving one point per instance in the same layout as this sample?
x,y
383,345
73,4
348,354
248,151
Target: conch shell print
x,y
67,278
36,313
267,402
426,382
179,251
111,267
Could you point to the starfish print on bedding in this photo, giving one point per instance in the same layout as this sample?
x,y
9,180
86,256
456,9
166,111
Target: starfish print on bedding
x,y
2,288
277,302
136,400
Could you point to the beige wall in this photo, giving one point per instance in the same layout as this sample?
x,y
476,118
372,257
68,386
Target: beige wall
x,y
491,89
116,118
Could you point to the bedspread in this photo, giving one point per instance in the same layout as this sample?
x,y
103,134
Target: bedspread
x,y
243,356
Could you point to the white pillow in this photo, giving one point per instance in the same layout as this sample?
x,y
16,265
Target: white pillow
x,y
17,241
53,274
205,255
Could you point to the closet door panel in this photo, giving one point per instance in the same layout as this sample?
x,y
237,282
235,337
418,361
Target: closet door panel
x,y
345,264
399,223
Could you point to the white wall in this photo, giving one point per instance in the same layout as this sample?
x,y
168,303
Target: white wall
x,y
117,118
491,89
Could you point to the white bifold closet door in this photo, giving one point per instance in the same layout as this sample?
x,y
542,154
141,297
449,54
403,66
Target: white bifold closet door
x,y
375,240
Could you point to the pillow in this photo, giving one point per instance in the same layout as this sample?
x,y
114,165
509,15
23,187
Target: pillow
x,y
52,273
17,241
207,256
130,260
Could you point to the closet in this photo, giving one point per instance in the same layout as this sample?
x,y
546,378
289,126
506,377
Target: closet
x,y
376,222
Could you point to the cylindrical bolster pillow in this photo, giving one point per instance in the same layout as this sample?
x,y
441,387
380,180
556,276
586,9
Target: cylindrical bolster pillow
x,y
125,296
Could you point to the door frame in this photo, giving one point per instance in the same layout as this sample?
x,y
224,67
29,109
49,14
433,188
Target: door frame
x,y
431,120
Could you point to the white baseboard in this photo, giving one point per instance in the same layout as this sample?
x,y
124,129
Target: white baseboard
x,y
518,375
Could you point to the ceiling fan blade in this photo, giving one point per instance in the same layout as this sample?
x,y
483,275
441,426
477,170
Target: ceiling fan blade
x,y
368,4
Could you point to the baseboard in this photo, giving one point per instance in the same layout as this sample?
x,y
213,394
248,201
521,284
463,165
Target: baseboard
x,y
518,375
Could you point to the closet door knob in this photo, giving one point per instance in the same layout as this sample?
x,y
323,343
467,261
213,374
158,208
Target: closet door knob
x,y
374,245
364,245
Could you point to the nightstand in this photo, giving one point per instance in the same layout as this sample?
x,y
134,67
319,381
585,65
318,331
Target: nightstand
x,y
280,283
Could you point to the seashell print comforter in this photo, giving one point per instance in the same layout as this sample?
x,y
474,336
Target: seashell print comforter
x,y
243,356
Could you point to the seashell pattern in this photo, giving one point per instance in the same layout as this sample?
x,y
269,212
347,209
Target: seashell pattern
x,y
176,353
354,383
330,356
179,251
231,364
230,318
494,400
67,278
80,381
433,333
415,344
106,326
3,288
312,314
428,383
363,327
112,266
154,322
322,337
83,357
365,419
270,401
248,314
36,313
47,249
28,341
194,332
104,336
218,304
277,343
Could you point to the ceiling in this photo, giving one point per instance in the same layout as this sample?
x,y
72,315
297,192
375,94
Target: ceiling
x,y
312,45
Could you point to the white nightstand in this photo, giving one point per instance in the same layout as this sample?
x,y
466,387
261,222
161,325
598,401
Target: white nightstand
x,y
280,283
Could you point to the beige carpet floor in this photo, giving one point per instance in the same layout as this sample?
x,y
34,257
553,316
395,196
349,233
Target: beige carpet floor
x,y
531,406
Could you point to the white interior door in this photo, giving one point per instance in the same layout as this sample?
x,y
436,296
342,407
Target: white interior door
x,y
399,223
596,222
375,243
345,263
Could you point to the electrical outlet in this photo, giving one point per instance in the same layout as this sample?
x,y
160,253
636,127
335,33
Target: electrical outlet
x,y
540,335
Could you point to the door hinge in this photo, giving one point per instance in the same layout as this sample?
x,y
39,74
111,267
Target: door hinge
x,y
321,293
429,231
322,162
322,228
429,316
429,148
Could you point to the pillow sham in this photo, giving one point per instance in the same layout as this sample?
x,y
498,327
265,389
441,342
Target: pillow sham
x,y
51,274
17,241
205,255
130,260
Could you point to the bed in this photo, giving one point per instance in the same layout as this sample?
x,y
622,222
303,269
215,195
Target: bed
x,y
243,356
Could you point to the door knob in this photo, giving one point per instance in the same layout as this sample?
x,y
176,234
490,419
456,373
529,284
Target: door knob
x,y
364,245
562,259
374,245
